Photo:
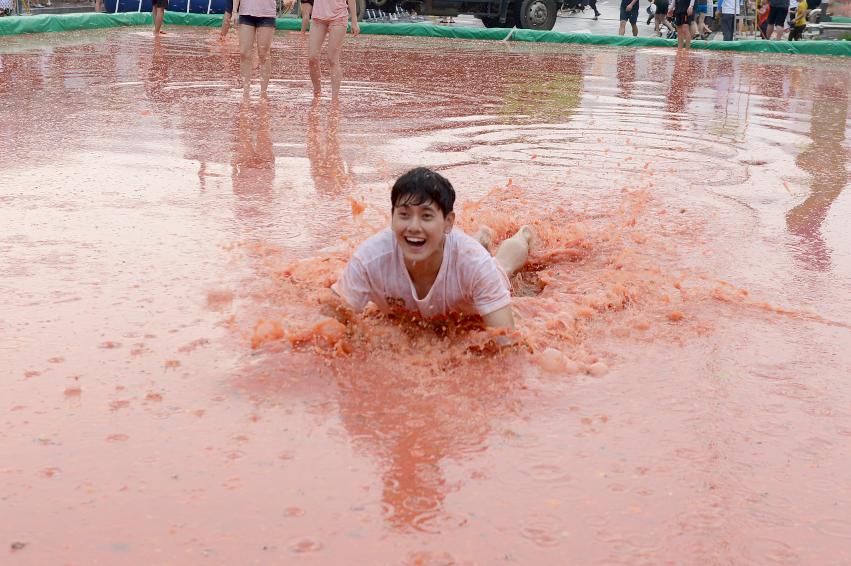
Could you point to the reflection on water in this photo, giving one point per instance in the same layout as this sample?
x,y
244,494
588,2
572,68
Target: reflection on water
x,y
681,392
626,74
406,423
331,174
253,167
825,160
554,98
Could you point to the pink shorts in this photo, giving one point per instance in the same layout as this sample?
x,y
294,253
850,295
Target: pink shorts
x,y
344,21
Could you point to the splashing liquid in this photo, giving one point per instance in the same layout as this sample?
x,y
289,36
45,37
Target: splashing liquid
x,y
680,391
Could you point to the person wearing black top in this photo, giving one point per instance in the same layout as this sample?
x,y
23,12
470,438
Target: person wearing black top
x,y
682,10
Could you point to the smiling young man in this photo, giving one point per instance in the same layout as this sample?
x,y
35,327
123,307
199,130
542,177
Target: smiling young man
x,y
422,265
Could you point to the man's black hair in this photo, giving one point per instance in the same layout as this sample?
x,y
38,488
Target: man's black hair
x,y
422,185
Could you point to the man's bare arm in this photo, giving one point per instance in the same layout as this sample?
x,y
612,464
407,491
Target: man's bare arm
x,y
500,318
335,306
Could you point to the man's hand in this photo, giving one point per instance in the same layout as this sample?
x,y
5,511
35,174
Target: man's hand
x,y
500,318
334,306
689,12
355,28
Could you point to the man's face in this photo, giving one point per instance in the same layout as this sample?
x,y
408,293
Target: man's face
x,y
420,229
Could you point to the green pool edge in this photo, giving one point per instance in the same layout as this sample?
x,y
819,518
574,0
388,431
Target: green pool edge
x,y
17,25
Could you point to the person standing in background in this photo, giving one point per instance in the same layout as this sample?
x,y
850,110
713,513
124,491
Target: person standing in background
x,y
762,10
700,29
306,10
593,4
778,11
629,11
226,19
651,11
330,18
661,17
729,9
158,9
256,23
793,8
682,11
800,22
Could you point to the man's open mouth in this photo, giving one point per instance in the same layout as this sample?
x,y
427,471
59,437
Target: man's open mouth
x,y
416,242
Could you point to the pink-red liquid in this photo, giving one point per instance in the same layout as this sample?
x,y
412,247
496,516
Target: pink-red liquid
x,y
171,393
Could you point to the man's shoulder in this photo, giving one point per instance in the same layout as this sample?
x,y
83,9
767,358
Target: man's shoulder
x,y
376,249
467,247
470,258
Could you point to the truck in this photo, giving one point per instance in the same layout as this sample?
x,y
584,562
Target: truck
x,y
523,14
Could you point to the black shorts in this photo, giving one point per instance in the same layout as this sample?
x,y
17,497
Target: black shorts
x,y
257,21
307,2
229,7
160,4
797,33
630,15
661,8
777,15
681,18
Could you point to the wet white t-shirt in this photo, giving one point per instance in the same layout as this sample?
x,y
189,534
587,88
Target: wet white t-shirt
x,y
470,281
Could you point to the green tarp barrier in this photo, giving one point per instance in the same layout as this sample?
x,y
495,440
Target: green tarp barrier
x,y
68,22
840,20
13,25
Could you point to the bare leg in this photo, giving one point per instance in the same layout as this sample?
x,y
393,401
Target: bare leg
x,y
246,43
314,49
622,28
264,48
768,31
634,30
158,20
306,10
514,251
226,24
336,36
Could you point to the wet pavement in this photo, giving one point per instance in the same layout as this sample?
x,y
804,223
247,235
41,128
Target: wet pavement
x,y
172,395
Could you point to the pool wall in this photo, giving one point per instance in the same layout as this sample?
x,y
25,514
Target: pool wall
x,y
70,22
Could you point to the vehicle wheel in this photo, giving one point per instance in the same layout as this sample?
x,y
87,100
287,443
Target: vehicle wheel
x,y
536,14
490,21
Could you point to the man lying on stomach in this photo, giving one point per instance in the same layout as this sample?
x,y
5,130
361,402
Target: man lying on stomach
x,y
424,266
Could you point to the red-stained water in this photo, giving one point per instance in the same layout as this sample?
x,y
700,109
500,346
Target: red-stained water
x,y
171,394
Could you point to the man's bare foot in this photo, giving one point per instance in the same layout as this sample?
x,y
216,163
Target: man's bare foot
x,y
162,32
485,236
526,232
